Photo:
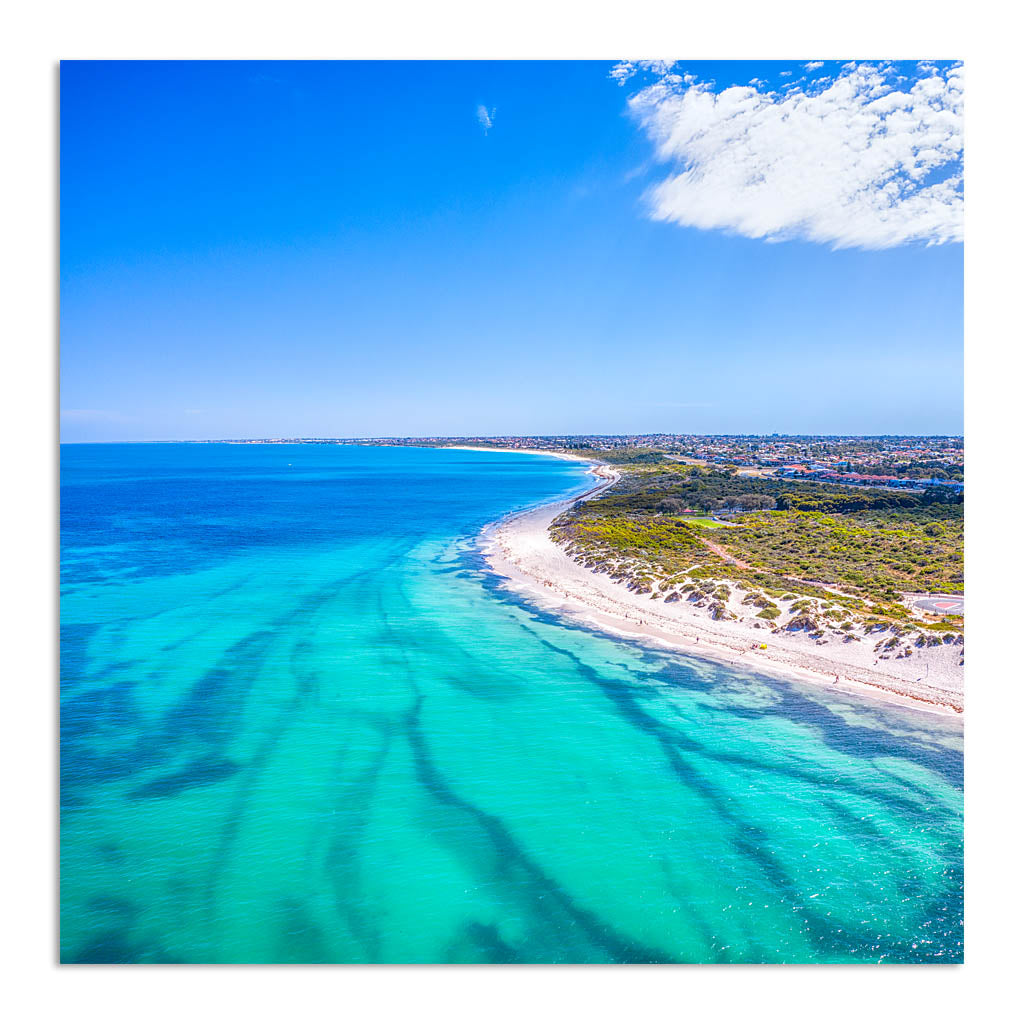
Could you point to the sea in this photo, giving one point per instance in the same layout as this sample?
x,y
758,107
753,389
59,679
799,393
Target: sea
x,y
301,722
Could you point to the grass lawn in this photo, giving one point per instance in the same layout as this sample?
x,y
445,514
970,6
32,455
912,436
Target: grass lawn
x,y
708,524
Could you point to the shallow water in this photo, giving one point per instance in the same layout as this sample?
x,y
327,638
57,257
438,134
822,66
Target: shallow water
x,y
301,723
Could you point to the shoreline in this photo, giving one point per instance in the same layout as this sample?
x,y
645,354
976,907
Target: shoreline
x,y
519,549
520,451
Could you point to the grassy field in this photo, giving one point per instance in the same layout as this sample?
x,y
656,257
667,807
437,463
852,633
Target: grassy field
x,y
704,521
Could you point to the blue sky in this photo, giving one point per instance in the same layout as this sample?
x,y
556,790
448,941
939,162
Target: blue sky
x,y
389,249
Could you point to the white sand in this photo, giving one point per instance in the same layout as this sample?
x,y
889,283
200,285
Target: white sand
x,y
520,549
519,451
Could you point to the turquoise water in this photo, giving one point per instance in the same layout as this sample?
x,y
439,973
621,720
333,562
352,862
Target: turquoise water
x,y
301,723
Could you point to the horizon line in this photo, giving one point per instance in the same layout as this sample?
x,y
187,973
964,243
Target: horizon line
x,y
484,437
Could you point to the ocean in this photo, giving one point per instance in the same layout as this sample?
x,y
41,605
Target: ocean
x,y
302,723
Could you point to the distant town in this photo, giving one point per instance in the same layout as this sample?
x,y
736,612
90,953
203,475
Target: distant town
x,y
891,461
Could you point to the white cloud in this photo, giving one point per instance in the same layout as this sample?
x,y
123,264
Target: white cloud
x,y
485,117
858,162
623,71
626,69
813,65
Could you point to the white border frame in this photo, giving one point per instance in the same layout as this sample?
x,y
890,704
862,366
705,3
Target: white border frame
x,y
38,36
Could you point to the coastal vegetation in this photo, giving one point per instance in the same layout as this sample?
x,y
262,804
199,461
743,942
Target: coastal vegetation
x,y
877,556
810,556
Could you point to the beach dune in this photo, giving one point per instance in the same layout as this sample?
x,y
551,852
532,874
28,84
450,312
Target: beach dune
x,y
521,550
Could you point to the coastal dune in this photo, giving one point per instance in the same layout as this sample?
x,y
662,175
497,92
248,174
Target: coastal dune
x,y
520,549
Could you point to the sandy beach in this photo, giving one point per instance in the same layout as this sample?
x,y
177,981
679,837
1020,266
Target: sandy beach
x,y
520,549
520,451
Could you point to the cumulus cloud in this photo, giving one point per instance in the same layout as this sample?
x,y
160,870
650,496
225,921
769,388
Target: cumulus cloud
x,y
813,65
864,160
485,117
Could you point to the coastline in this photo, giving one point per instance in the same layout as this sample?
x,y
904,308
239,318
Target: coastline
x,y
520,550
520,451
